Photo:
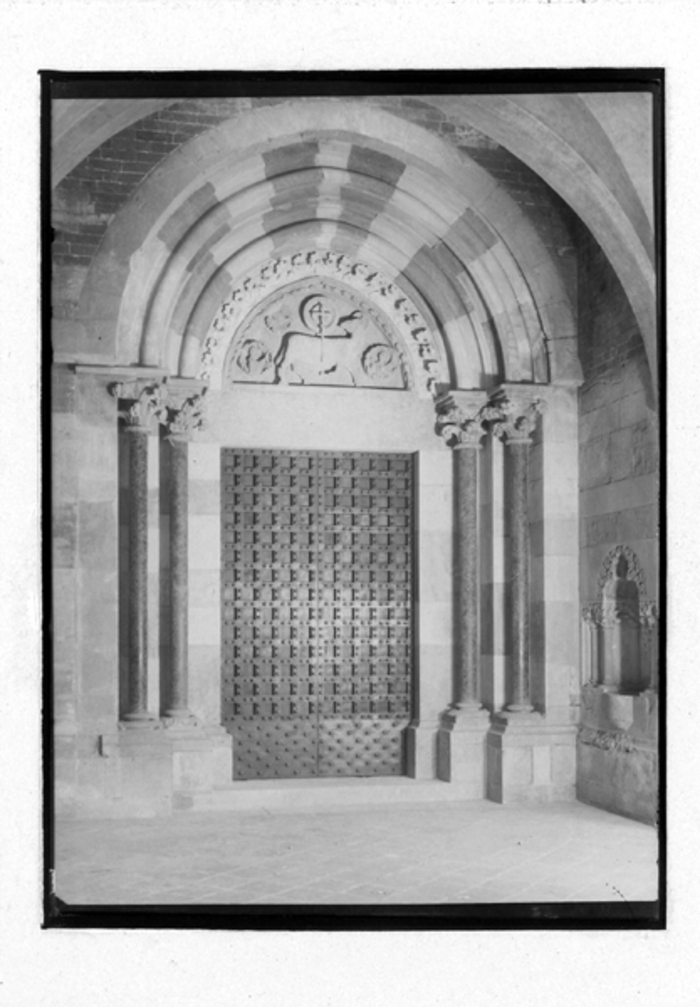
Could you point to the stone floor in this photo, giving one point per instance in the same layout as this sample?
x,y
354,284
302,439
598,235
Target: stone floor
x,y
457,852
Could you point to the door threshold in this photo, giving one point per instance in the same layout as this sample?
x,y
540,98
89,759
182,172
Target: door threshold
x,y
328,781
319,794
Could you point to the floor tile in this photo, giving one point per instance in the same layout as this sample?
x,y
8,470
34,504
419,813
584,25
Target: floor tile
x,y
467,852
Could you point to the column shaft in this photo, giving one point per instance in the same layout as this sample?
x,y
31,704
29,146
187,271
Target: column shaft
x,y
466,457
137,685
177,683
518,529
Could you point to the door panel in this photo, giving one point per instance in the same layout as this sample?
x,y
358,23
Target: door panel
x,y
317,639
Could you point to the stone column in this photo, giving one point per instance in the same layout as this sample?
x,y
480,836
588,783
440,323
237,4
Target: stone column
x,y
182,421
464,433
514,423
142,406
463,728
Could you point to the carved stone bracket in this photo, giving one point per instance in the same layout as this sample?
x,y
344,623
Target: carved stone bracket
x,y
514,414
461,417
143,402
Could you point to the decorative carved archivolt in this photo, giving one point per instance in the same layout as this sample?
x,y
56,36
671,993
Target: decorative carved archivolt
x,y
316,332
374,289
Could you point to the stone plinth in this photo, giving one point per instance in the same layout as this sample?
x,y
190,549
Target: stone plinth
x,y
421,752
202,761
461,751
617,761
143,772
529,760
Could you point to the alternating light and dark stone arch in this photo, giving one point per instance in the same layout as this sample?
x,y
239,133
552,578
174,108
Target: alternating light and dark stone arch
x,y
436,224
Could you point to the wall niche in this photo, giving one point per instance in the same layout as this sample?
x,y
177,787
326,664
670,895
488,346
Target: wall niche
x,y
620,652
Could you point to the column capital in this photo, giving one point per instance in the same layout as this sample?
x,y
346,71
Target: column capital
x,y
143,400
513,411
592,614
460,418
184,413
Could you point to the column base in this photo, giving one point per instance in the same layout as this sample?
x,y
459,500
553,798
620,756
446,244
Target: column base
x,y
461,748
139,722
175,719
529,760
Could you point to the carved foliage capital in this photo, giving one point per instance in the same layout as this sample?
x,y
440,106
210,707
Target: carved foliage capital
x,y
186,417
461,424
514,417
141,403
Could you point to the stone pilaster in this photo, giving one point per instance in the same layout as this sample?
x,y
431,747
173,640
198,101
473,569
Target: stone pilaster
x,y
461,749
184,417
141,405
527,758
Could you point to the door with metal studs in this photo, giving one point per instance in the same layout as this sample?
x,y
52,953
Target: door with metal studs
x,y
317,574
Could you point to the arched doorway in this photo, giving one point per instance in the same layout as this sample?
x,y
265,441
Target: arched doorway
x,y
339,285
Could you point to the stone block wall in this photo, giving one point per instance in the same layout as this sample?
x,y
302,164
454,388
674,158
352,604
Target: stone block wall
x,y
85,574
618,473
618,431
205,581
554,557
